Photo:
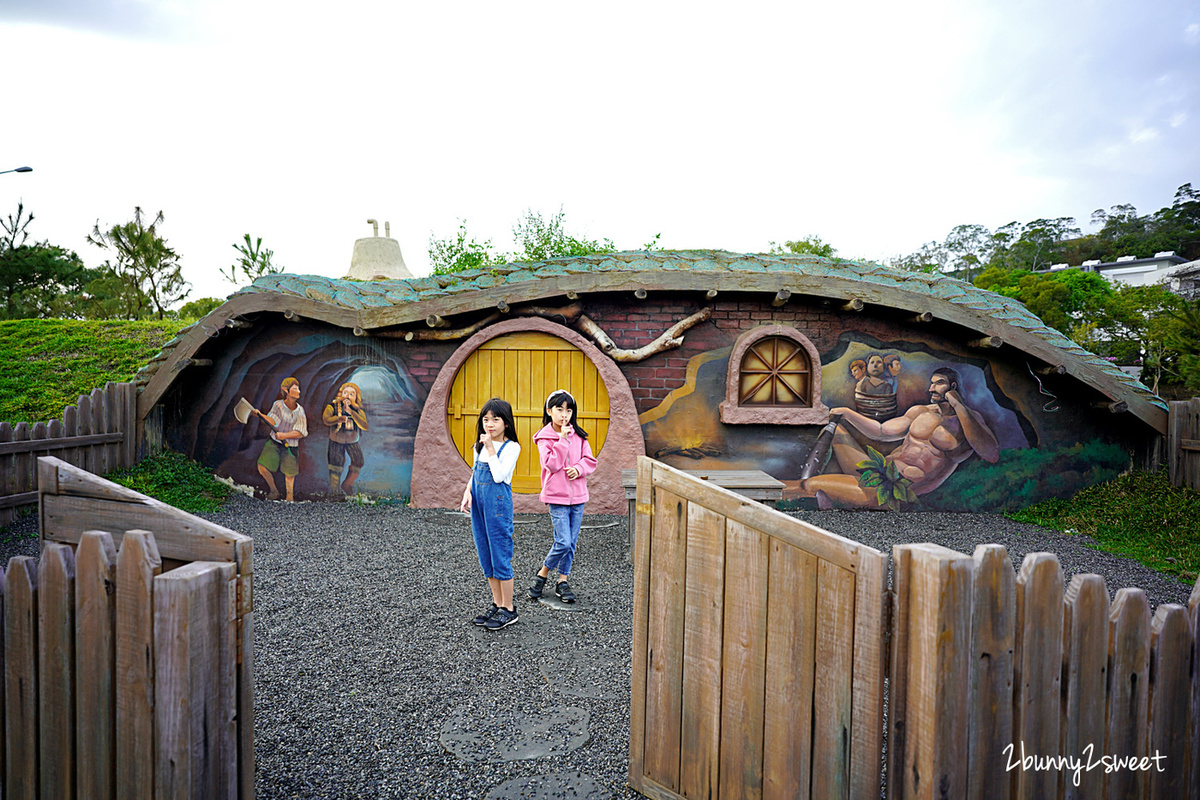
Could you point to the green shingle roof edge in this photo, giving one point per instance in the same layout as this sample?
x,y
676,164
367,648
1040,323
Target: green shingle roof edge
x,y
383,303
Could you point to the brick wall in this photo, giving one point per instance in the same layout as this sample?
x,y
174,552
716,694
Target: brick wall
x,y
634,323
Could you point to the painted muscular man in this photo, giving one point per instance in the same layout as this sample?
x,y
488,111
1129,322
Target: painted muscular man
x,y
937,438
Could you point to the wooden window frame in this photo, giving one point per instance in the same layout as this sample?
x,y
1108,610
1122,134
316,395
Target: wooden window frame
x,y
733,412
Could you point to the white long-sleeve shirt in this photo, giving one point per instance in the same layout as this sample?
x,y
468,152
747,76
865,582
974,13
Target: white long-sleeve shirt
x,y
503,464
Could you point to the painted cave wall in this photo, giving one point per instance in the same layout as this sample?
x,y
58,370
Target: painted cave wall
x,y
1050,442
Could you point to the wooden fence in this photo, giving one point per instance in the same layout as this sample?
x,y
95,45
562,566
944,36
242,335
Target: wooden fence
x,y
1183,443
126,673
98,434
759,644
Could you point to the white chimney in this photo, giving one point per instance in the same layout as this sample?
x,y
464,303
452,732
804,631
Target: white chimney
x,y
1125,258
1165,254
378,258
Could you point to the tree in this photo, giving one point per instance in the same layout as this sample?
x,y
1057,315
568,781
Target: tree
x,y
146,276
1183,343
969,246
253,262
37,280
461,252
808,246
199,308
541,239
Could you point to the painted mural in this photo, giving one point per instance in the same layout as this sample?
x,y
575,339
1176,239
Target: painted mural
x,y
912,426
357,406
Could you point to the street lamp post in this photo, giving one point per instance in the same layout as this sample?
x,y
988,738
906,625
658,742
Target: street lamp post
x,y
18,169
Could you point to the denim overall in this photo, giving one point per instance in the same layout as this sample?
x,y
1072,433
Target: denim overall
x,y
492,520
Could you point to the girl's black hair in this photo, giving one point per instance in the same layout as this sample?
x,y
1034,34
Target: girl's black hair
x,y
499,408
557,399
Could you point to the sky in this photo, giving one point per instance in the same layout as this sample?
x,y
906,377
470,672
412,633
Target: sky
x,y
876,126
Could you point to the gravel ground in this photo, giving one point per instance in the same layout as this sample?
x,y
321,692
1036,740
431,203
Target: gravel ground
x,y
370,681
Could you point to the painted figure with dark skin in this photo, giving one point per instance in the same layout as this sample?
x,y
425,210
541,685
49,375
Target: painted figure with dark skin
x,y
936,438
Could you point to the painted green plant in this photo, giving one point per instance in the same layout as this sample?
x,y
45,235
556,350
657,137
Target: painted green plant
x,y
892,490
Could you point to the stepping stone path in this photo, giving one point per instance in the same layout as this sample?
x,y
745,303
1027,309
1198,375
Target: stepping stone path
x,y
514,735
559,786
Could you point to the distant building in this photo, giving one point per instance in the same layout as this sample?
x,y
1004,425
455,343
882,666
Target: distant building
x,y
1134,271
1185,280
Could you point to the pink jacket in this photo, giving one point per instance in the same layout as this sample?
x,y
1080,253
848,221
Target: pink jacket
x,y
556,455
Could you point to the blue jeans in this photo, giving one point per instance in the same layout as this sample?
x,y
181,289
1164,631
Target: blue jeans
x,y
492,523
566,521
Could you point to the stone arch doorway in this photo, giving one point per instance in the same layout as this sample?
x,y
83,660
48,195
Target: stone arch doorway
x,y
524,367
440,471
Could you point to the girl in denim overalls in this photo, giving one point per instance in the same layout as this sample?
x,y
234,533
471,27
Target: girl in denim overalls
x,y
488,497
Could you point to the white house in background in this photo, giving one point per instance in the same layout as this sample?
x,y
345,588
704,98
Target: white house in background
x,y
1185,280
1135,271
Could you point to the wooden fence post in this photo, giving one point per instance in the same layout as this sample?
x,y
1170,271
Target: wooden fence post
x,y
934,588
1085,653
1037,674
20,679
1128,684
993,628
56,670
1194,730
195,689
95,655
1170,698
137,565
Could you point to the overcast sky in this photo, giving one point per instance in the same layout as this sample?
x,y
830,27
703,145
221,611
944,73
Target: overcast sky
x,y
875,125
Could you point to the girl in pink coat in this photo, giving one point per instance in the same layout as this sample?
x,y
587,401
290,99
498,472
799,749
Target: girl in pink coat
x,y
567,460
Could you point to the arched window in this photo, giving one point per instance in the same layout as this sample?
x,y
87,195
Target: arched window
x,y
774,378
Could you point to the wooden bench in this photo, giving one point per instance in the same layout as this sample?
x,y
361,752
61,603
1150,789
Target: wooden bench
x,y
751,483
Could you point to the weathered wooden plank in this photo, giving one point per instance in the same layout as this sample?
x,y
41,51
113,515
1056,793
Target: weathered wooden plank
x,y
21,779
111,424
993,628
97,398
23,476
704,598
57,442
1085,657
56,671
1128,684
903,578
245,710
829,547
834,681
870,631
791,658
180,535
1170,698
137,564
70,423
664,675
743,669
641,621
935,589
36,434
7,481
95,656
1037,671
194,696
3,692
87,455
1194,724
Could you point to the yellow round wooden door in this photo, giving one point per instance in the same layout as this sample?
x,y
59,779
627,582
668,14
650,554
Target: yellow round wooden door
x,y
524,368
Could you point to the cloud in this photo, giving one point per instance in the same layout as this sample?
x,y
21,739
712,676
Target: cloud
x,y
138,19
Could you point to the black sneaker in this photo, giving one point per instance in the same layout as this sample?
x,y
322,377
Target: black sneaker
x,y
501,619
482,619
564,592
535,591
